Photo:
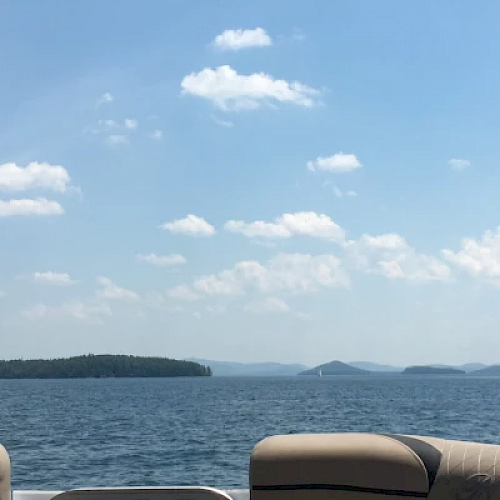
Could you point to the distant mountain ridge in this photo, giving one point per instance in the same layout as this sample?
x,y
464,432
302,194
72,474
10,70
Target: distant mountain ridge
x,y
336,367
266,369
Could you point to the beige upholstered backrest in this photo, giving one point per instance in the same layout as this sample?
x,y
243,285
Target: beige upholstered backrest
x,y
4,474
372,466
144,494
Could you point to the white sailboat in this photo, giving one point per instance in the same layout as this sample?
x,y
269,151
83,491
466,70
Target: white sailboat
x,y
319,373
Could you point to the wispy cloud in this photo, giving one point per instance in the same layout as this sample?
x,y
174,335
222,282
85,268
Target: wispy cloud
x,y
222,123
293,273
117,139
104,99
458,164
53,278
157,134
130,123
162,260
232,91
108,290
91,312
242,39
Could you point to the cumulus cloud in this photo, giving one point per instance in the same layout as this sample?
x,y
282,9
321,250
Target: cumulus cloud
x,y
391,256
458,164
162,260
117,139
242,39
191,225
294,273
338,162
290,224
108,290
232,91
268,305
479,258
89,312
26,207
34,176
53,278
130,123
182,292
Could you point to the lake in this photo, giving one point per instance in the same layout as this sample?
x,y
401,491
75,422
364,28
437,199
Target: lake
x,y
63,434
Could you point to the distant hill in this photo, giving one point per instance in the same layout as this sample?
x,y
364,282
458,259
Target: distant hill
x,y
375,367
467,367
492,371
101,366
432,370
335,368
231,369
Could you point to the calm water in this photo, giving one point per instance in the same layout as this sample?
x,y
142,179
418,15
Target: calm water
x,y
74,433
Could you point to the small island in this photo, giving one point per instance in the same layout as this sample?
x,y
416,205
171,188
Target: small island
x,y
432,370
101,366
335,368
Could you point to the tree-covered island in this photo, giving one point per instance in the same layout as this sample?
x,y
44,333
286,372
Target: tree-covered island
x,y
101,366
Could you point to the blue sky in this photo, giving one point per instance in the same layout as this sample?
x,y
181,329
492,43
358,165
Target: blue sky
x,y
284,181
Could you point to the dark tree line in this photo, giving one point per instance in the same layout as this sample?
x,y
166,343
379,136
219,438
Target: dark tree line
x,y
105,365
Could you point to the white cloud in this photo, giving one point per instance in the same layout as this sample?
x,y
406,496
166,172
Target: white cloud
x,y
25,207
116,139
242,39
337,192
222,123
479,258
130,124
295,273
162,260
34,176
257,229
191,225
268,305
338,162
391,256
289,224
89,312
351,193
53,278
458,165
110,123
108,290
182,292
232,91
157,134
105,98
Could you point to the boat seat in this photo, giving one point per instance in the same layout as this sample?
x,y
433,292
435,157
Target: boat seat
x,y
4,474
174,493
358,466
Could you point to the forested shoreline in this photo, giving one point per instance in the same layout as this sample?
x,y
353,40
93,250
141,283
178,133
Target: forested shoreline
x,y
101,366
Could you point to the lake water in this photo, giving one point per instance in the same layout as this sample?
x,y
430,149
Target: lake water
x,y
115,432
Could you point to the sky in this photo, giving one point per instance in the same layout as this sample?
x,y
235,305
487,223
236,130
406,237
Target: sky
x,y
251,181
